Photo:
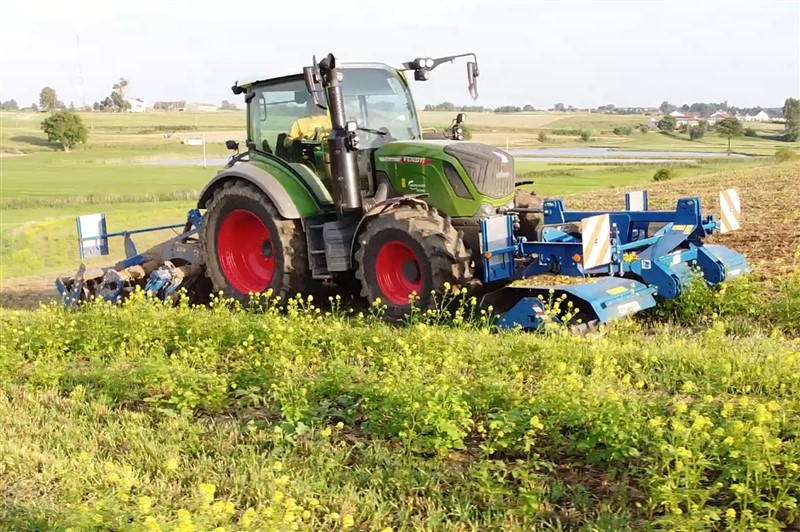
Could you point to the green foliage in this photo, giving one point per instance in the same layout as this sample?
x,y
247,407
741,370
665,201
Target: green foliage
x,y
667,124
10,105
228,106
586,135
696,133
566,132
729,127
623,130
663,174
644,128
66,128
667,107
791,113
543,137
48,100
750,132
785,154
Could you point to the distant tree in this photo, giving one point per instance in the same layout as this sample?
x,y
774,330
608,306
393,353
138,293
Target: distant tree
x,y
96,106
34,107
685,108
750,132
729,128
66,128
696,133
586,135
118,92
559,107
48,99
791,112
543,138
508,109
667,124
60,105
71,106
228,106
528,108
703,125
644,128
666,107
10,105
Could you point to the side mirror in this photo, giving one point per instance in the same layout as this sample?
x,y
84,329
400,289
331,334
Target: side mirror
x,y
313,80
231,144
461,118
472,79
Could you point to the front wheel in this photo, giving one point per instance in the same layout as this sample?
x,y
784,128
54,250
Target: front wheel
x,y
410,250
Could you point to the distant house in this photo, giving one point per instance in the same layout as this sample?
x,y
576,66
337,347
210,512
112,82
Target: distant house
x,y
137,105
775,115
682,118
179,105
756,115
719,115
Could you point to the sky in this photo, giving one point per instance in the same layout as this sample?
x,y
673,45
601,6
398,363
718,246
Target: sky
x,y
583,54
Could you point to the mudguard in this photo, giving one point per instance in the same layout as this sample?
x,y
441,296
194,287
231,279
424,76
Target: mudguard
x,y
291,204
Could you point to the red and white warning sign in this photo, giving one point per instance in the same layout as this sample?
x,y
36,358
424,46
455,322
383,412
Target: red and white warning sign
x,y
596,235
731,211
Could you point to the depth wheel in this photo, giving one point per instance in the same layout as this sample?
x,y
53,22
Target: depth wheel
x,y
410,249
249,248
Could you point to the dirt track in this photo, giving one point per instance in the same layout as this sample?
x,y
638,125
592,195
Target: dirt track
x,y
27,293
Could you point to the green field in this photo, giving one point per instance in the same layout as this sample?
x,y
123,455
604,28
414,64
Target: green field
x,y
144,417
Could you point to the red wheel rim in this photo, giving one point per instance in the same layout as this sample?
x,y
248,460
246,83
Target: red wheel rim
x,y
245,251
398,272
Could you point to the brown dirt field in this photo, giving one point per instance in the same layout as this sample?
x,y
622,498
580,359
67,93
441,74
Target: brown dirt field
x,y
27,293
770,196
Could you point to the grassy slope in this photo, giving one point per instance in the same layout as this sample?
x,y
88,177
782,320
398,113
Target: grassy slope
x,y
118,416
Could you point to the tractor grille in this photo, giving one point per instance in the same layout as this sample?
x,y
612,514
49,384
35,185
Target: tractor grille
x,y
491,170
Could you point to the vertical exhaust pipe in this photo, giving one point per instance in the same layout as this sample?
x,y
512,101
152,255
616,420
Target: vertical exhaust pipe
x,y
344,167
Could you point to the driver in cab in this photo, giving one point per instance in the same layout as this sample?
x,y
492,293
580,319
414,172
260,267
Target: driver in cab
x,y
307,127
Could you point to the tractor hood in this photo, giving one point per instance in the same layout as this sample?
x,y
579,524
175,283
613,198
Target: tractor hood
x,y
491,170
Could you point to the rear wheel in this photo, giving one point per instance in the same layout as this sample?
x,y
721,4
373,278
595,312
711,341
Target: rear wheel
x,y
406,250
249,247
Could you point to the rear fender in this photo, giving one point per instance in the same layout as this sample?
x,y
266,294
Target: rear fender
x,y
288,207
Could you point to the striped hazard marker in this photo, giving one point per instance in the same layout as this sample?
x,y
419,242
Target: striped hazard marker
x,y
731,211
596,235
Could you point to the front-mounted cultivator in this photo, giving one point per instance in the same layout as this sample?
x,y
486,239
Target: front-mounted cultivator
x,y
369,201
623,260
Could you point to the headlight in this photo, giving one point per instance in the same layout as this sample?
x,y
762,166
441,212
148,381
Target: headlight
x,y
429,63
510,204
486,209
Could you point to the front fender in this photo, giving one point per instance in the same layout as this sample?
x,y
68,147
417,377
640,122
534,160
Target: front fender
x,y
287,194
380,208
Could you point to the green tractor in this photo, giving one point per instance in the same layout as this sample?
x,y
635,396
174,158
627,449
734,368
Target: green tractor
x,y
368,201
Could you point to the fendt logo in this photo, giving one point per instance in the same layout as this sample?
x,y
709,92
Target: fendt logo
x,y
405,159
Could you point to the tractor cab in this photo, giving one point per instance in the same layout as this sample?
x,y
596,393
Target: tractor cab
x,y
285,120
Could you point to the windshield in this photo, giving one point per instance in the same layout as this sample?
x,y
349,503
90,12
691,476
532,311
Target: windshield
x,y
377,98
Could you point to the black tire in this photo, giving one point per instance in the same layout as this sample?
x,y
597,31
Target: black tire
x,y
438,248
530,223
286,246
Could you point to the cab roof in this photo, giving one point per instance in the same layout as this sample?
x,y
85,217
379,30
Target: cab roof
x,y
246,82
